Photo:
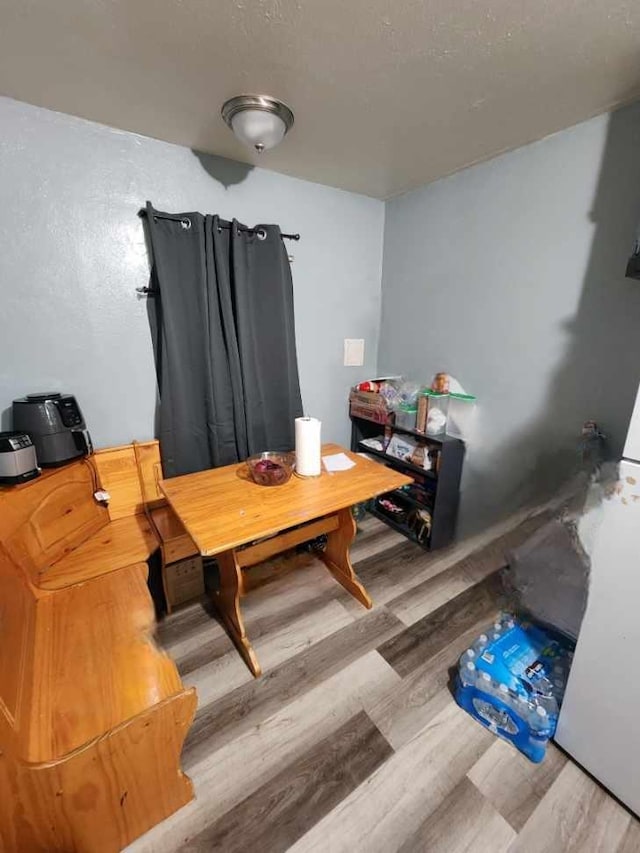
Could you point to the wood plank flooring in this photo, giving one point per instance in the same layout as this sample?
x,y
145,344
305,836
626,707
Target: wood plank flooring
x,y
351,740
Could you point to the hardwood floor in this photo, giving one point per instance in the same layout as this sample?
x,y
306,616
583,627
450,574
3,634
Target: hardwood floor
x,y
351,740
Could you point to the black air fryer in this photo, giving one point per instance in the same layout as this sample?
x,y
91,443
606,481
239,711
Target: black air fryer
x,y
56,426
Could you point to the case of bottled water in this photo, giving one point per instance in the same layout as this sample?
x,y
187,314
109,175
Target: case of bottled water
x,y
512,680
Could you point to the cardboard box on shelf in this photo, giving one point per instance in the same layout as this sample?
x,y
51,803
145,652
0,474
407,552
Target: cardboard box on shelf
x,y
370,406
184,581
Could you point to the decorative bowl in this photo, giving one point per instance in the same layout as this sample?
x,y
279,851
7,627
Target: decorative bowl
x,y
271,468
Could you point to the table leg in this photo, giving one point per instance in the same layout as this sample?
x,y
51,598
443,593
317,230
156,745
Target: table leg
x,y
336,557
227,602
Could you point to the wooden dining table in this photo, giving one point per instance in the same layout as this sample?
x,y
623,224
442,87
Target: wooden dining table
x,y
241,523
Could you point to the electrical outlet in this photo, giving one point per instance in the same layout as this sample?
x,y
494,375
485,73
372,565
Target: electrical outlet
x,y
353,352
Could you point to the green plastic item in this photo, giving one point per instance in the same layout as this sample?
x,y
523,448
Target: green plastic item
x,y
460,419
466,398
406,416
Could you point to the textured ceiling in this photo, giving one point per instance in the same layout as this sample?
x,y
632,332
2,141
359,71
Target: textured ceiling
x,y
387,95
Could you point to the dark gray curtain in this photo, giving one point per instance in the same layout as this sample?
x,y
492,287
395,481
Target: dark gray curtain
x,y
224,341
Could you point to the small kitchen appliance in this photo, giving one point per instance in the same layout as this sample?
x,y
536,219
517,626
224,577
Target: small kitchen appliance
x,y
18,462
56,426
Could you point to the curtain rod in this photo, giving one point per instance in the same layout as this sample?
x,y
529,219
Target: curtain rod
x,y
186,224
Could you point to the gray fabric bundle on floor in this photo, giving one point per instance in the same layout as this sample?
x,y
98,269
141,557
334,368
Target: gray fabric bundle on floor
x,y
549,577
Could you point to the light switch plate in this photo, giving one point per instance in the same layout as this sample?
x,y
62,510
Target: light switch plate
x,y
353,352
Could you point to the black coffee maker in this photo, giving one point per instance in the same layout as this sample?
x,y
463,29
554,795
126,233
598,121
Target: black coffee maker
x,y
56,426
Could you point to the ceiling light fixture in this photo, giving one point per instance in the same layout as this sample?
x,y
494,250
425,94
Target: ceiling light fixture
x,y
257,120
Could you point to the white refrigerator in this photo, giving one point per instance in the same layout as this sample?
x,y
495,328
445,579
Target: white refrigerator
x,y
599,722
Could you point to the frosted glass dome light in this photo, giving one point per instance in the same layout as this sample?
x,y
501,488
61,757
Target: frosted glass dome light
x,y
257,120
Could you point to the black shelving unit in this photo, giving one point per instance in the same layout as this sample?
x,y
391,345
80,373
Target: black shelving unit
x,y
401,528
443,486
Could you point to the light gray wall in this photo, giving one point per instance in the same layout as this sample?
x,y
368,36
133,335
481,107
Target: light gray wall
x,y
510,276
73,252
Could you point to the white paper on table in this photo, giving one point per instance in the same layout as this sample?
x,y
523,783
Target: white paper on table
x,y
337,462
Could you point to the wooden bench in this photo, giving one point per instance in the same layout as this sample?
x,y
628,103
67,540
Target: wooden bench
x,y
92,715
59,534
131,473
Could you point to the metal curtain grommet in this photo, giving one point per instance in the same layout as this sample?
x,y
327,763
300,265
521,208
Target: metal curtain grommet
x,y
185,223
261,234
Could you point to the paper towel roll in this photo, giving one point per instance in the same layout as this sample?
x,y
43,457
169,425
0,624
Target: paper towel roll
x,y
308,447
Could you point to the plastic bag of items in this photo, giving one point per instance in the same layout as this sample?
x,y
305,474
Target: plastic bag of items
x,y
512,680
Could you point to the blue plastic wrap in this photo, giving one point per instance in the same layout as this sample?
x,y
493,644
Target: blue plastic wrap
x,y
512,680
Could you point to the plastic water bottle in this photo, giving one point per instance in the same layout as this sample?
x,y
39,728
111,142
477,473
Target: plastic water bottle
x,y
514,702
485,683
470,654
468,674
480,643
544,686
538,719
549,704
505,696
523,709
506,621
